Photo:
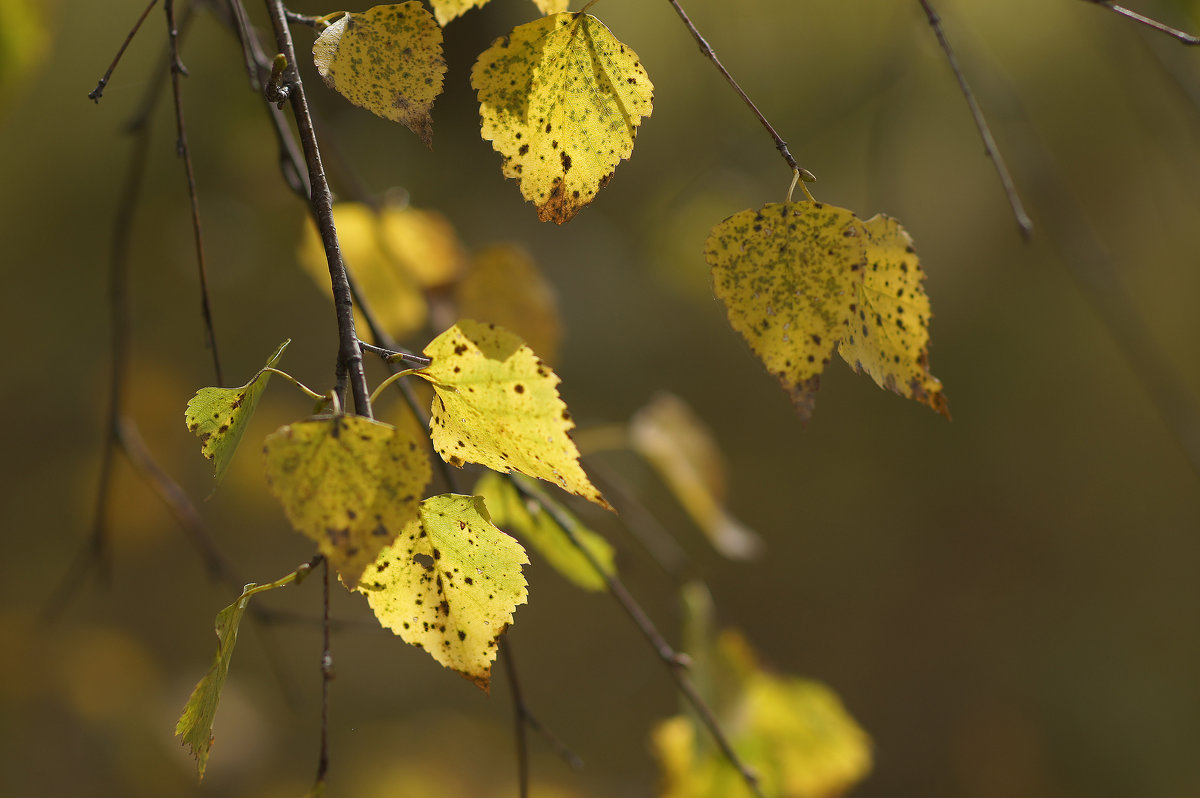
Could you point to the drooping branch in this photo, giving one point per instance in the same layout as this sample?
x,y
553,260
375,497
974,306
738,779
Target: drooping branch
x,y
1181,36
708,52
95,94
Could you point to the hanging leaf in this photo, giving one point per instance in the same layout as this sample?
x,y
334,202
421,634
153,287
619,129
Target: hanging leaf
x,y
349,483
423,244
561,100
388,60
496,403
528,521
449,584
218,416
195,724
889,340
681,449
446,10
504,287
552,6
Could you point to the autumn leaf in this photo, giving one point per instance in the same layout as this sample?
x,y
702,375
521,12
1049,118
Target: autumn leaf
x,y
504,287
528,521
388,60
561,100
349,483
681,449
449,584
889,340
422,243
446,10
218,416
496,403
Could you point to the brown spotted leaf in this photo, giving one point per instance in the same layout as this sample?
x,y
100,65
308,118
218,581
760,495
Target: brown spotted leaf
x,y
561,100
496,403
889,339
388,60
349,483
449,584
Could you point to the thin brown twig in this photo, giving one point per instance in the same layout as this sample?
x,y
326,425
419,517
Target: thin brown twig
x,y
95,94
181,144
326,677
989,142
350,359
708,52
1181,36
514,689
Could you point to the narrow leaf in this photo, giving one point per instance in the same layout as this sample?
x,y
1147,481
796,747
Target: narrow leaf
x,y
504,287
349,483
388,60
531,523
218,416
496,403
561,100
449,584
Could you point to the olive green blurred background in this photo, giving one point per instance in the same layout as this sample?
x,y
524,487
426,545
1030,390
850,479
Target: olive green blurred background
x,y
1008,602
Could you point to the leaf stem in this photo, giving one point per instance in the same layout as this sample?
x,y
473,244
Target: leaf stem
x,y
309,391
1181,36
397,355
386,383
95,94
708,52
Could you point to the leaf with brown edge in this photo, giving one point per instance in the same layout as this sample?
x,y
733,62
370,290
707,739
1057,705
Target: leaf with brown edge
x,y
889,340
388,60
496,403
449,584
347,482
788,275
561,99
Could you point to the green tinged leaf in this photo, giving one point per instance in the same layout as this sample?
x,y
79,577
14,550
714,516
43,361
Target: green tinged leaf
x,y
528,521
496,403
195,725
388,60
449,584
218,416
561,100
348,483
795,281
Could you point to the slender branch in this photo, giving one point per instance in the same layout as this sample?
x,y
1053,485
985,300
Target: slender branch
x,y
707,50
1182,36
95,94
989,143
350,360
177,69
519,712
676,662
326,677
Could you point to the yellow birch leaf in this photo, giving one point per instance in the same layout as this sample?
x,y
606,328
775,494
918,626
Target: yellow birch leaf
x,y
890,338
388,60
446,10
504,287
394,294
561,100
195,724
496,403
449,584
528,521
218,416
552,6
681,449
789,275
423,244
349,483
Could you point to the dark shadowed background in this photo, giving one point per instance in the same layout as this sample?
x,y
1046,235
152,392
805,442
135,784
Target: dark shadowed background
x,y
1007,603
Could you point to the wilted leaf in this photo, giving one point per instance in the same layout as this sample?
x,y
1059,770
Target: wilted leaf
x,y
889,340
195,724
496,403
388,60
349,483
394,293
528,521
449,584
683,452
218,416
504,287
561,99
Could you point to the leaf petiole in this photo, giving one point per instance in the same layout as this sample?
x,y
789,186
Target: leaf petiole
x,y
311,393
383,385
798,177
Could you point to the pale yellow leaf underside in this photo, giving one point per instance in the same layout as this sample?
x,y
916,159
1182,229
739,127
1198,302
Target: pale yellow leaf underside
x,y
449,584
561,100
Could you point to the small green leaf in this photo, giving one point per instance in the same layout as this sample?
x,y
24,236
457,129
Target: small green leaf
x,y
536,527
349,483
450,584
388,60
218,416
496,403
